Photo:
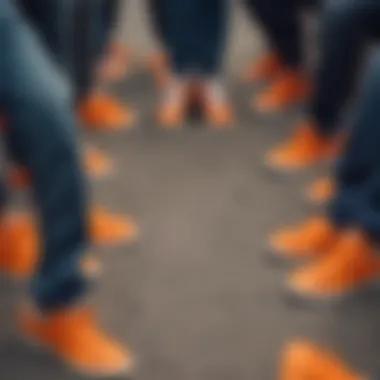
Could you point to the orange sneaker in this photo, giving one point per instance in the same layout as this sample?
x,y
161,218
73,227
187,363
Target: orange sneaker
x,y
173,110
73,335
321,191
303,149
103,112
107,228
349,266
303,360
288,89
159,67
266,68
309,239
96,163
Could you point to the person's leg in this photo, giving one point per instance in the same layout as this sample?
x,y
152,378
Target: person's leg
x,y
59,36
285,64
38,106
179,18
97,109
210,40
346,26
45,132
282,28
354,212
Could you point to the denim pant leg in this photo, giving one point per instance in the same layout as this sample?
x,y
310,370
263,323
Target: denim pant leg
x,y
361,158
346,27
51,20
212,25
38,106
182,31
281,22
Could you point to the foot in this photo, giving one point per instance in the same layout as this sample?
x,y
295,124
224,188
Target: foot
x,y
159,68
173,108
266,68
304,360
321,191
216,107
96,163
303,149
349,266
102,112
309,239
73,335
288,89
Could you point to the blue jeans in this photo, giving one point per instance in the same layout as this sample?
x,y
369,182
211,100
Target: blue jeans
x,y
37,104
347,26
76,32
357,202
196,33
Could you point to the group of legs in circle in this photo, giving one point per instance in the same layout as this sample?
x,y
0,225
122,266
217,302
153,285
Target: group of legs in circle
x,y
334,253
57,56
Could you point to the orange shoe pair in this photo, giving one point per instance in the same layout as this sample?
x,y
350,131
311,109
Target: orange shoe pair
x,y
286,86
20,242
303,360
174,108
96,164
340,262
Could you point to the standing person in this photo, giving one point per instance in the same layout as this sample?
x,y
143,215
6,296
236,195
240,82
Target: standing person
x,y
342,244
284,66
38,108
347,28
196,34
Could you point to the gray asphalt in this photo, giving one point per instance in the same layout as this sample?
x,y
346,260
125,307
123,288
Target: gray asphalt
x,y
197,298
